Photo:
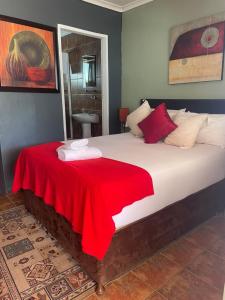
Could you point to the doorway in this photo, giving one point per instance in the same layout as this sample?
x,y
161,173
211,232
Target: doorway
x,y
83,57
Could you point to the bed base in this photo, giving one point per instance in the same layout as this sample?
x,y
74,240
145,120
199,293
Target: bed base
x,y
144,237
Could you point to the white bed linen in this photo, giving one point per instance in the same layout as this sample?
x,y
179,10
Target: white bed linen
x,y
176,172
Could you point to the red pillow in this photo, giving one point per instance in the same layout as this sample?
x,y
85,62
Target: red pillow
x,y
157,125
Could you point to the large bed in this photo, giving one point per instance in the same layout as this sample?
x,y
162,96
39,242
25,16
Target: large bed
x,y
189,188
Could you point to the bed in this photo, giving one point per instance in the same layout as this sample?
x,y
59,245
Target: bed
x,y
149,224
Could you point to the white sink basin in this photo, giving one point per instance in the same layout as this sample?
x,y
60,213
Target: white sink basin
x,y
86,119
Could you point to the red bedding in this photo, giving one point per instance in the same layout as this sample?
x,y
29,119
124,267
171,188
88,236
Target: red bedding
x,y
87,193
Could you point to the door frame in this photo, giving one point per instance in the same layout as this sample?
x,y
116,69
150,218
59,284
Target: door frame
x,y
104,73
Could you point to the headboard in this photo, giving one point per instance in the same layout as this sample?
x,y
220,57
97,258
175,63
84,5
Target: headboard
x,y
216,106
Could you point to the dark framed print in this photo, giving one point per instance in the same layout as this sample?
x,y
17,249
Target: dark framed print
x,y
28,56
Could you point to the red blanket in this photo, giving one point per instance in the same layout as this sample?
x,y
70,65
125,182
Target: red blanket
x,y
87,193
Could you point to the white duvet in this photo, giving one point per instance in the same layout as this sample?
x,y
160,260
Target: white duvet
x,y
176,172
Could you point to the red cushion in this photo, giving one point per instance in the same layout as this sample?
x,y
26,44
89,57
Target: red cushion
x,y
157,125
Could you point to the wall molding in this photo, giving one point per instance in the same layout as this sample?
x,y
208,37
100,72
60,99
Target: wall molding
x,y
105,4
134,4
116,7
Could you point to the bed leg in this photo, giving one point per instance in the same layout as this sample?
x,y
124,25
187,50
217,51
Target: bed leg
x,y
100,289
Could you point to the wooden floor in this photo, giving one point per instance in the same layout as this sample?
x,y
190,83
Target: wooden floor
x,y
192,268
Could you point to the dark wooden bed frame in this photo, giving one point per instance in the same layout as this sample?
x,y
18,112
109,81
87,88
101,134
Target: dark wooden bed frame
x,y
138,241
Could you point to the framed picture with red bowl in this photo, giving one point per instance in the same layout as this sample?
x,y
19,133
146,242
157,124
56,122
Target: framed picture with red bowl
x,y
28,56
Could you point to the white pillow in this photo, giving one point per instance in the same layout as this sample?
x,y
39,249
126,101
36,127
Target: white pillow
x,y
136,117
173,112
215,117
186,115
186,133
213,133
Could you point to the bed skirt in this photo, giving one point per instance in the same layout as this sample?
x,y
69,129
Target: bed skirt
x,y
137,241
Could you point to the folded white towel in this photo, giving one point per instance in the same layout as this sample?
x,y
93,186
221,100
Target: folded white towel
x,y
65,147
74,144
83,153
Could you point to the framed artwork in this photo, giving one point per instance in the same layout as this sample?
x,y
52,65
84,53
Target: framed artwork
x,y
28,56
197,50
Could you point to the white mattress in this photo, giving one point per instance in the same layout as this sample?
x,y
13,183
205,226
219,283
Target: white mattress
x,y
176,172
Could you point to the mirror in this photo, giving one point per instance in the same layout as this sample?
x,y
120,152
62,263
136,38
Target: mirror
x,y
89,71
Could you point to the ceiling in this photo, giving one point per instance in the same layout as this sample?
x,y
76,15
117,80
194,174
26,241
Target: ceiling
x,y
118,5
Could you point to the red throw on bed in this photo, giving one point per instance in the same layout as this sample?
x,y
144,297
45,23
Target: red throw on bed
x,y
87,193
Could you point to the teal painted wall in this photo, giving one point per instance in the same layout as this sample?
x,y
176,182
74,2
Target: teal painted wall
x,y
145,51
33,118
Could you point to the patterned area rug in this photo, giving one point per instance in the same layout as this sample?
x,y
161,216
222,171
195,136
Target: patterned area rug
x,y
33,265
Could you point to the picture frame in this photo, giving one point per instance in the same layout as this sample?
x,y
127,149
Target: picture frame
x,y
28,56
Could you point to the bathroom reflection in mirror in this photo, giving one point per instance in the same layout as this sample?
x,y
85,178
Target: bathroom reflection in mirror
x,y
83,72
89,71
